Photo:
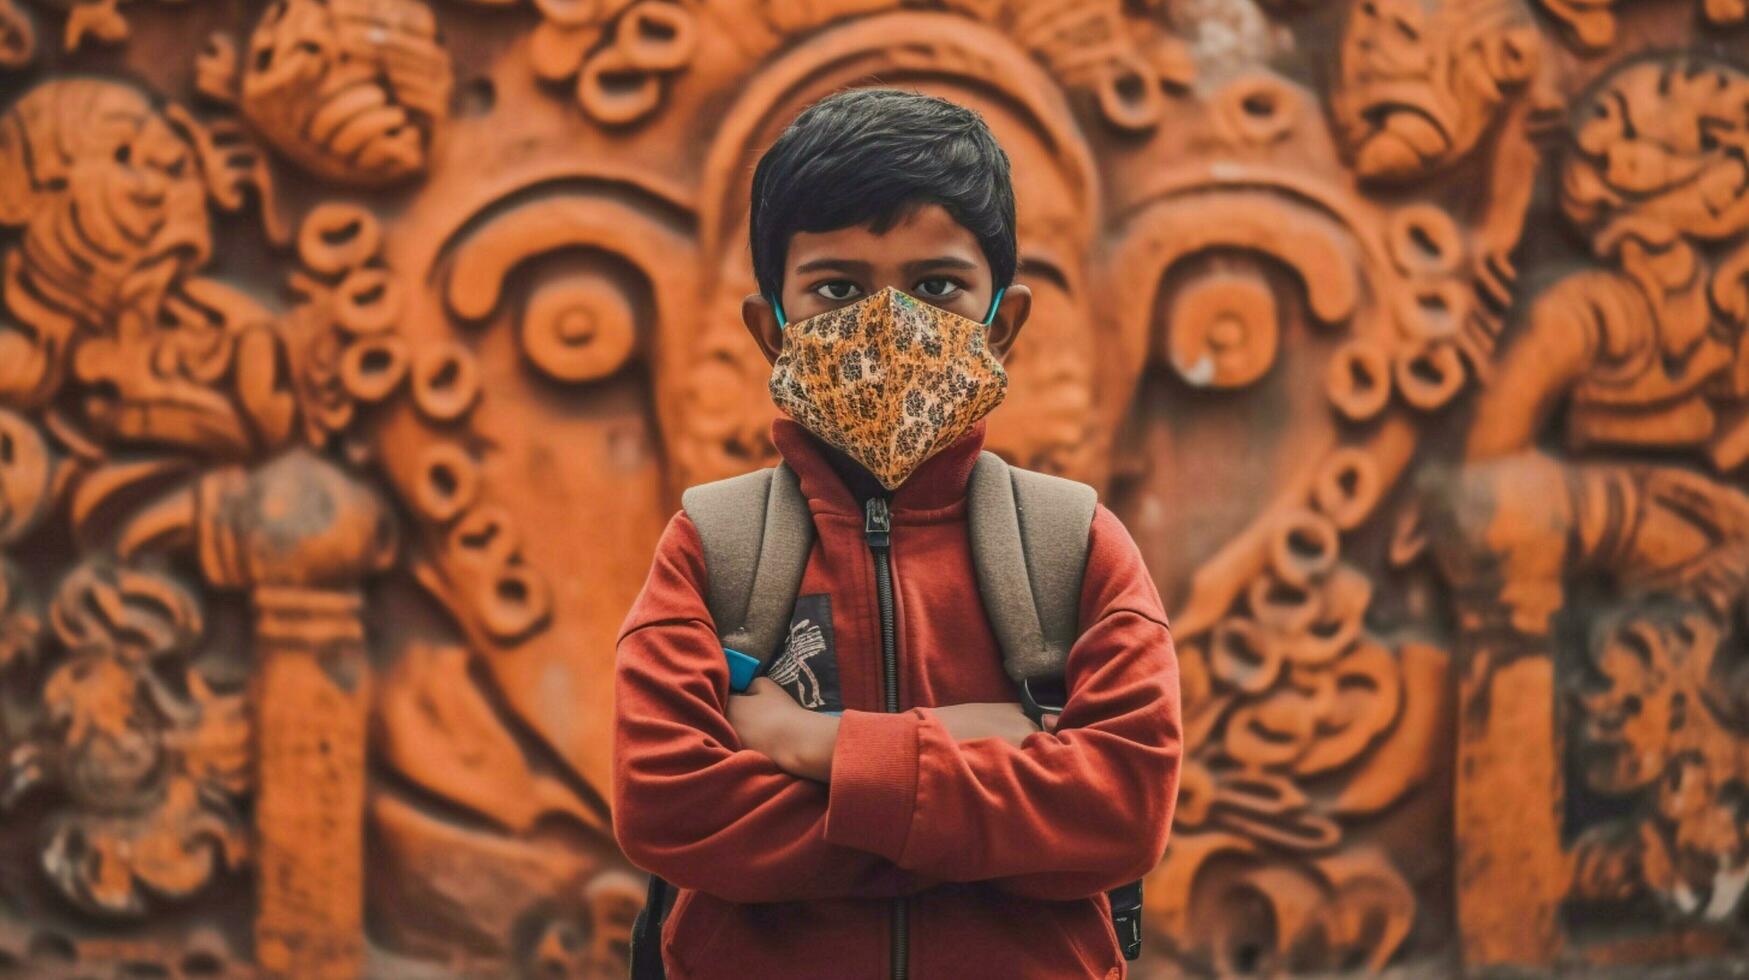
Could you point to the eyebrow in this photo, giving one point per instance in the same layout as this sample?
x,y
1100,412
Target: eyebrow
x,y
832,265
941,262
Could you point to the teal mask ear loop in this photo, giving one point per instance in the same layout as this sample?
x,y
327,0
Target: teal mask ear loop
x,y
777,307
995,304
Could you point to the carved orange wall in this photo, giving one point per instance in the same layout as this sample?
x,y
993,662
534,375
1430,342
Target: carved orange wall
x,y
353,354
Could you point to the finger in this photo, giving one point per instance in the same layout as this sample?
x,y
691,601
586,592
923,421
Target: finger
x,y
1049,722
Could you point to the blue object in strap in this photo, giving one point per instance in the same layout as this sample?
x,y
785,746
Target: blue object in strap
x,y
742,669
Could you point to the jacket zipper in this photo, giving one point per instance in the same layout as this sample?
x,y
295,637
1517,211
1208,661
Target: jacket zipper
x,y
878,528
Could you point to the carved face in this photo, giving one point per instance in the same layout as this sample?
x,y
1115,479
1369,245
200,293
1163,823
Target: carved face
x,y
1422,80
113,750
1648,707
348,88
110,196
1661,148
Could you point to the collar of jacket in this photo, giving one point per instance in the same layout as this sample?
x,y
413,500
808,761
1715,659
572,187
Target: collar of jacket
x,y
827,475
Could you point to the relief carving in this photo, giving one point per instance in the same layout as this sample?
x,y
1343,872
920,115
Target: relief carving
x,y
177,443
17,36
1427,86
150,760
617,56
107,214
337,423
1310,724
1664,728
1125,63
356,91
1591,24
1651,555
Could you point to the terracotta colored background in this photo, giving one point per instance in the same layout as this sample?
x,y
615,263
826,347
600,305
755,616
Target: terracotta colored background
x,y
353,352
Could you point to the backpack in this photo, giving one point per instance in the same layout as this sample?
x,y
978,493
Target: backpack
x,y
1029,536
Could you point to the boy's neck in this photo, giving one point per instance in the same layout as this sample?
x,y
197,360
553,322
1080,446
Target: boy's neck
x,y
857,479
940,481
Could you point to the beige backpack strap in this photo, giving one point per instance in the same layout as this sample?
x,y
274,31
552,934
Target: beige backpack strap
x,y
757,532
1029,546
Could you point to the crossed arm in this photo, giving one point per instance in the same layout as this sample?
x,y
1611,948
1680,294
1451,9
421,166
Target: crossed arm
x,y
801,742
754,799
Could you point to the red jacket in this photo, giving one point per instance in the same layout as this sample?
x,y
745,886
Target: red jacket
x,y
1005,851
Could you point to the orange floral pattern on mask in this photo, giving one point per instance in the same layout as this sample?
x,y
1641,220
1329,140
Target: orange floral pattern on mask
x,y
889,380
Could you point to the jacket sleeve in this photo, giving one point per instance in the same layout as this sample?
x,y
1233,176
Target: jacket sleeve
x,y
1065,814
689,803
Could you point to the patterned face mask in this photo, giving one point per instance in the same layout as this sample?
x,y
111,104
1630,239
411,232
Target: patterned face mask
x,y
889,380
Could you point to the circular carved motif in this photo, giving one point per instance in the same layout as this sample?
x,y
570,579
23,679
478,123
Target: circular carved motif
x,y
580,329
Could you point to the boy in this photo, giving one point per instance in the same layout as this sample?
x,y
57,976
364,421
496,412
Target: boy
x,y
812,833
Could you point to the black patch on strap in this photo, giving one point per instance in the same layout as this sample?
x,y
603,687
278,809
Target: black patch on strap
x,y
807,666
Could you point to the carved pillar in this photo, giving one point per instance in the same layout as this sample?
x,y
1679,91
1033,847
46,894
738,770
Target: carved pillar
x,y
309,696
1499,533
1512,872
300,534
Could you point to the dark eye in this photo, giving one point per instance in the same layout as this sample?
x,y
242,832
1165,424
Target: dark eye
x,y
937,288
837,290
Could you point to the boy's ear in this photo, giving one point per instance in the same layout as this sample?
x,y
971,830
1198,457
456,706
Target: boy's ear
x,y
1010,317
761,321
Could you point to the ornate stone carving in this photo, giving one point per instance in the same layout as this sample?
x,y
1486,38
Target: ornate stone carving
x,y
1308,729
1662,729
17,36
108,213
1423,82
1591,24
1427,86
150,759
354,90
1125,63
337,424
1644,352
617,56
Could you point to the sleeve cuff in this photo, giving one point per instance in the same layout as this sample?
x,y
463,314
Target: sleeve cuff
x,y
873,787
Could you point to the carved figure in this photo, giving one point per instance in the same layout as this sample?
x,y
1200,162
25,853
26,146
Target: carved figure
x,y
353,90
111,196
1664,723
112,207
1646,354
1426,85
151,771
1423,81
1264,291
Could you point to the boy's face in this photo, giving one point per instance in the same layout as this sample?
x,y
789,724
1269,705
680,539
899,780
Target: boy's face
x,y
927,254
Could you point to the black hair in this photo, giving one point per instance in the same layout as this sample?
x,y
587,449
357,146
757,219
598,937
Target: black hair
x,y
871,156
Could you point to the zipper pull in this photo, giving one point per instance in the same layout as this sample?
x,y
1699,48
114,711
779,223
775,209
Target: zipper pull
x,y
878,525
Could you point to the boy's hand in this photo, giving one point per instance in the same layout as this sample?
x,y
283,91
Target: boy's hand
x,y
769,721
986,719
